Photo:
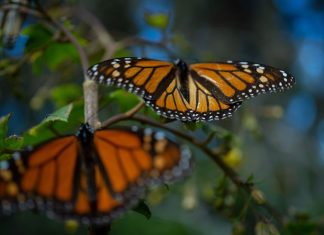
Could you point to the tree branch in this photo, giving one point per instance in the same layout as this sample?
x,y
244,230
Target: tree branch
x,y
21,8
123,116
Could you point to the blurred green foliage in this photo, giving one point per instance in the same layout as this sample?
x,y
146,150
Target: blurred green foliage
x,y
65,94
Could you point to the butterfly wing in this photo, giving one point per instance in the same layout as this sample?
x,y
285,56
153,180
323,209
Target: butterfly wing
x,y
11,195
56,178
226,85
191,101
237,81
31,176
130,159
141,76
126,161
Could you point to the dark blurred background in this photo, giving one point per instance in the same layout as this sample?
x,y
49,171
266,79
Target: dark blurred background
x,y
280,136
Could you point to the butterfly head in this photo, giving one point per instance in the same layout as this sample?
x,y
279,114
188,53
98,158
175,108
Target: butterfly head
x,y
85,133
182,69
181,64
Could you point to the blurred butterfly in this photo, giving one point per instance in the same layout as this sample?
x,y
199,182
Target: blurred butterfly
x,y
92,176
204,91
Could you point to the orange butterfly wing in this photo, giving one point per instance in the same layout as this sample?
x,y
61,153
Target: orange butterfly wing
x,y
90,183
200,103
141,76
237,81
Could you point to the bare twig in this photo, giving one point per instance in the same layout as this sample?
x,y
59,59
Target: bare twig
x,y
90,90
123,116
21,8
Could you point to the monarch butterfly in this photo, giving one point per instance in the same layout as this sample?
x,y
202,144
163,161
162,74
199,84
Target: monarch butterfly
x,y
92,176
204,91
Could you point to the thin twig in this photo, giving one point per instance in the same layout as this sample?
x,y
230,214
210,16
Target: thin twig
x,y
123,116
21,8
209,138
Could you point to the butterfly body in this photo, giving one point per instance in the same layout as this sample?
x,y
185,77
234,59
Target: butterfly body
x,y
202,91
182,76
92,176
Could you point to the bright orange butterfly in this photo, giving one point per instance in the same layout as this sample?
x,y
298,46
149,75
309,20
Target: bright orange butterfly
x,y
204,91
93,176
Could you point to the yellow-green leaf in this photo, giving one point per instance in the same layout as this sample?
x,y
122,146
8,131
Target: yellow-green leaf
x,y
65,94
60,115
157,20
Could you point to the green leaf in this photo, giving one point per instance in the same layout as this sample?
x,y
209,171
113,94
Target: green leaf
x,y
65,94
14,142
62,121
8,143
4,127
192,126
148,111
58,53
5,156
62,114
38,35
250,179
143,209
126,100
157,20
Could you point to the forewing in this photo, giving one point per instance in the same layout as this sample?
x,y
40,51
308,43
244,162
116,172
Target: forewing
x,y
144,77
